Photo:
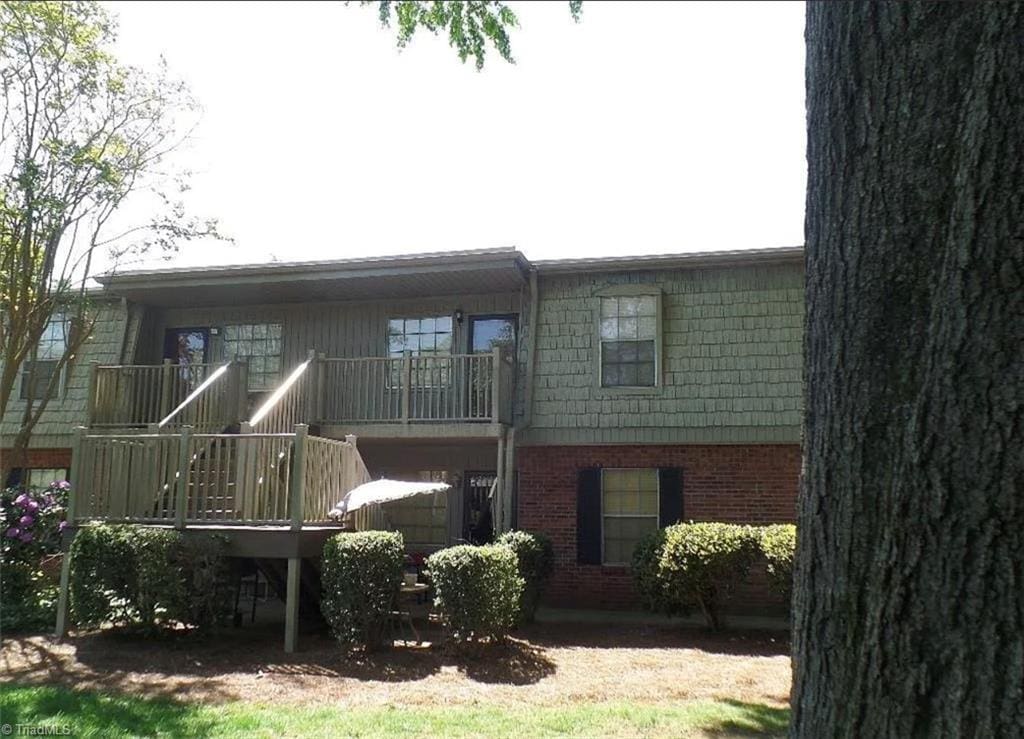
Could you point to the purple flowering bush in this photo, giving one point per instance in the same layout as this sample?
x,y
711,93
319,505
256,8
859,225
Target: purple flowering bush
x,y
31,523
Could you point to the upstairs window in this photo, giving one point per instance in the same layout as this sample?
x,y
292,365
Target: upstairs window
x,y
420,336
629,333
51,347
259,344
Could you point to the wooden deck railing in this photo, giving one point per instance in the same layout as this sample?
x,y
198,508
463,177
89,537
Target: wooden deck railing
x,y
127,396
330,465
288,405
184,478
450,388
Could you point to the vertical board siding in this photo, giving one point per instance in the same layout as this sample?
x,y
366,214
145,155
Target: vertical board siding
x,y
341,330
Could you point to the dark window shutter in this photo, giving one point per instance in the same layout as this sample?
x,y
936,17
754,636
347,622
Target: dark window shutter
x,y
670,492
588,517
14,477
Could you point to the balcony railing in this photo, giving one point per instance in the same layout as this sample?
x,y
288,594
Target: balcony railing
x,y
138,396
183,478
457,388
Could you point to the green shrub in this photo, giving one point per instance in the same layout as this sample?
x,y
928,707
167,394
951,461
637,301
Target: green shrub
x,y
147,577
360,578
28,598
694,565
536,561
477,590
778,544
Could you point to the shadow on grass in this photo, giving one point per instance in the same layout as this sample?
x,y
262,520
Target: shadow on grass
x,y
753,719
97,714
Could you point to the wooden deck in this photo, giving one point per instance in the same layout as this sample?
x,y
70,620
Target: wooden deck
x,y
269,494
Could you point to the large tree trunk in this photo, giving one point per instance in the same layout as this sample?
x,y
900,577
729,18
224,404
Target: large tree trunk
x,y
909,602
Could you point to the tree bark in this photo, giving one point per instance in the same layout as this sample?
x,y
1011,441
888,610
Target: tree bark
x,y
909,599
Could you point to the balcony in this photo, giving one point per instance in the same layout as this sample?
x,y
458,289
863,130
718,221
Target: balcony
x,y
472,391
208,397
458,395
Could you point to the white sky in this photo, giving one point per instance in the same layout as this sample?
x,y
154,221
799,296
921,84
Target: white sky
x,y
646,128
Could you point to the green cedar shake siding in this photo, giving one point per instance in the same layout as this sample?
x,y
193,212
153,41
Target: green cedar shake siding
x,y
64,412
730,363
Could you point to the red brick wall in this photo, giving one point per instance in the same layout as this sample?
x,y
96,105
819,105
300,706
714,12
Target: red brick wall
x,y
45,457
754,484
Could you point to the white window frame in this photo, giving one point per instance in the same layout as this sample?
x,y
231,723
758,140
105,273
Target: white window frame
x,y
61,318
226,344
656,515
445,373
629,291
54,474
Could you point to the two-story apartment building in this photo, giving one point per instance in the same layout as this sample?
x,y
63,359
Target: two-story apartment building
x,y
590,399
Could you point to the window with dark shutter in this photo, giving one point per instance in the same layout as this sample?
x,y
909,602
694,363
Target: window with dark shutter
x,y
670,496
588,517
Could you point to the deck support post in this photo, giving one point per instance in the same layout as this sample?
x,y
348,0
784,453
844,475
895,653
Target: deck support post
x,y
166,385
291,605
298,474
496,384
510,471
63,603
406,385
498,506
184,462
241,368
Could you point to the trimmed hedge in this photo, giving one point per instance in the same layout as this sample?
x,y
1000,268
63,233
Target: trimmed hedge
x,y
360,578
694,566
536,561
477,589
778,544
147,577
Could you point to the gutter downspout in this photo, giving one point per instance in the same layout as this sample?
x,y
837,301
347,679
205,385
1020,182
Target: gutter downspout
x,y
531,349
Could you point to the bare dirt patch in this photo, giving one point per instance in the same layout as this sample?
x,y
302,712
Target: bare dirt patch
x,y
546,664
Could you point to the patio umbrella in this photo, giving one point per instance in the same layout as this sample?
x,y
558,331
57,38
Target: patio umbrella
x,y
383,491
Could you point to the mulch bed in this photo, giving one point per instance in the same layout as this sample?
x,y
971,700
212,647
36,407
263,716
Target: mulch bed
x,y
545,664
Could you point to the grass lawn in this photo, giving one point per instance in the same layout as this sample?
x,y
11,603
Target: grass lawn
x,y
97,714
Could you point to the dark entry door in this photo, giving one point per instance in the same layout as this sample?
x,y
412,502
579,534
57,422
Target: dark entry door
x,y
477,523
485,334
187,345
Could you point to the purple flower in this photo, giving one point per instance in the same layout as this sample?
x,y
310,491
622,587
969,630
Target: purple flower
x,y
64,485
31,506
63,525
22,499
26,521
25,537
12,532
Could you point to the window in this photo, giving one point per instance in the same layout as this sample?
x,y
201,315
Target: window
x,y
39,477
629,511
49,351
422,519
420,336
629,331
260,345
